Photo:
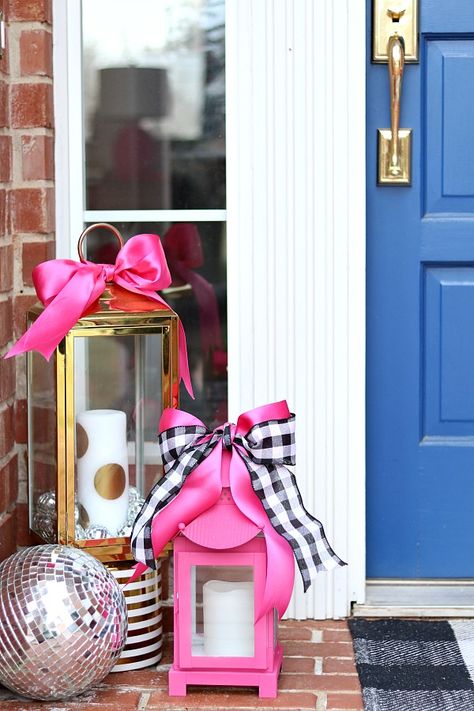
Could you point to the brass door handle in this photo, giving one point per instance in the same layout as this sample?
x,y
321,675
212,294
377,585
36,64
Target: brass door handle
x,y
395,144
396,65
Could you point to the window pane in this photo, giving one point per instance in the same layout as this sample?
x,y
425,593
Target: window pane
x,y
154,100
197,260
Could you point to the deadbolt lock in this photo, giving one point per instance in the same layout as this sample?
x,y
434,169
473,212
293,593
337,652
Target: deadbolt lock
x,y
392,17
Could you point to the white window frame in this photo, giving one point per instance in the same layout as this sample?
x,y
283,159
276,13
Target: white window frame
x,y
295,106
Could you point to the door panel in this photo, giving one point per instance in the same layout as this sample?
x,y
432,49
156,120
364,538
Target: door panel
x,y
449,138
448,388
420,312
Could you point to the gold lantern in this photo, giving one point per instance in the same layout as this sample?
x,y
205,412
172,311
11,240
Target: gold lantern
x,y
93,411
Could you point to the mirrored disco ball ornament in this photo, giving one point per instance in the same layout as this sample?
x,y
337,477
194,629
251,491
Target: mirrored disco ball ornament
x,y
133,511
133,494
63,622
44,520
126,530
45,525
79,532
47,503
97,532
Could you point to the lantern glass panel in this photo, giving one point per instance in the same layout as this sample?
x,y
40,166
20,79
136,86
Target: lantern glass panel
x,y
42,460
222,611
117,403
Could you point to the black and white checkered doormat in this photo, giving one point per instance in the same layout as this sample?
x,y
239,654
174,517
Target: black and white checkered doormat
x,y
415,665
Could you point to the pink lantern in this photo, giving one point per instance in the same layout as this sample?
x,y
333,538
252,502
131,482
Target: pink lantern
x,y
220,564
237,519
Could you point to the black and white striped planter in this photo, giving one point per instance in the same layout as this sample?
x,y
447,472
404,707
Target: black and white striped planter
x,y
145,620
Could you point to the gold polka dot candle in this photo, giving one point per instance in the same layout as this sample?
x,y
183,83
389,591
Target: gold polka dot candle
x,y
102,468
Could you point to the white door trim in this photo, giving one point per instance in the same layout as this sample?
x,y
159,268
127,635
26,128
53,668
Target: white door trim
x,y
296,242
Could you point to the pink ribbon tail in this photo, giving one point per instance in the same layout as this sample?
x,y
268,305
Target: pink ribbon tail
x,y
183,361
139,569
280,566
61,313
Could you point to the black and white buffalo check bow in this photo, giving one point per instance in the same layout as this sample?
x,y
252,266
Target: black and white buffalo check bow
x,y
265,450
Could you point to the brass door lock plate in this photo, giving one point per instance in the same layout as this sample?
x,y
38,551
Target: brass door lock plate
x,y
394,17
387,173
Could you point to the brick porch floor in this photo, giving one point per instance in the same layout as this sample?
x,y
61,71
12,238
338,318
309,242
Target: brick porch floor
x,y
318,673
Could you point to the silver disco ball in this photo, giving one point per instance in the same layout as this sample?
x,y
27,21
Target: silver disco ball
x,y
63,622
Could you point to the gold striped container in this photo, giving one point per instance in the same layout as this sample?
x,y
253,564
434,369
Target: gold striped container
x,y
145,622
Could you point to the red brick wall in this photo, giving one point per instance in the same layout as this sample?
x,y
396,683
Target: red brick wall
x,y
26,229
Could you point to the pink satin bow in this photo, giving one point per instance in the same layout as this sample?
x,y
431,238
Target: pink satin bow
x,y
203,488
68,289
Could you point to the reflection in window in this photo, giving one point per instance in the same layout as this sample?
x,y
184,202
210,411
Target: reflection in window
x,y
154,104
197,261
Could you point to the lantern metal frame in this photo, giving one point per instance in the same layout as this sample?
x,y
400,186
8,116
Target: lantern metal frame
x,y
118,313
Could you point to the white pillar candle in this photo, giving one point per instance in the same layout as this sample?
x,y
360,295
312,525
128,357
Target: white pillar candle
x,y
102,467
228,610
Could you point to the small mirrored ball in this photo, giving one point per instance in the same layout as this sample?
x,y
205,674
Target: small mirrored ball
x,y
98,532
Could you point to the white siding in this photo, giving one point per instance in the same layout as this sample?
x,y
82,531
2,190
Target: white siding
x,y
296,252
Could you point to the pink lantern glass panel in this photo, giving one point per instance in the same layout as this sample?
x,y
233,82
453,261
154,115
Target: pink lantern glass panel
x,y
222,611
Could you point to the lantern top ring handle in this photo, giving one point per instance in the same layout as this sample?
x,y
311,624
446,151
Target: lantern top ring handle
x,y
95,226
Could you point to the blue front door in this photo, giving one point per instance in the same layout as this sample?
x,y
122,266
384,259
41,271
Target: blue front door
x,y
420,312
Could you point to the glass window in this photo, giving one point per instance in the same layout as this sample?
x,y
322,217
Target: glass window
x,y
154,104
154,140
196,257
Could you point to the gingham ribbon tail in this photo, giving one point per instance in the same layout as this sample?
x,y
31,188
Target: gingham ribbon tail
x,y
266,448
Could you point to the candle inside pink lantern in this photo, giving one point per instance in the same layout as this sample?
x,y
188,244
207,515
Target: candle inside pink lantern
x,y
228,611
